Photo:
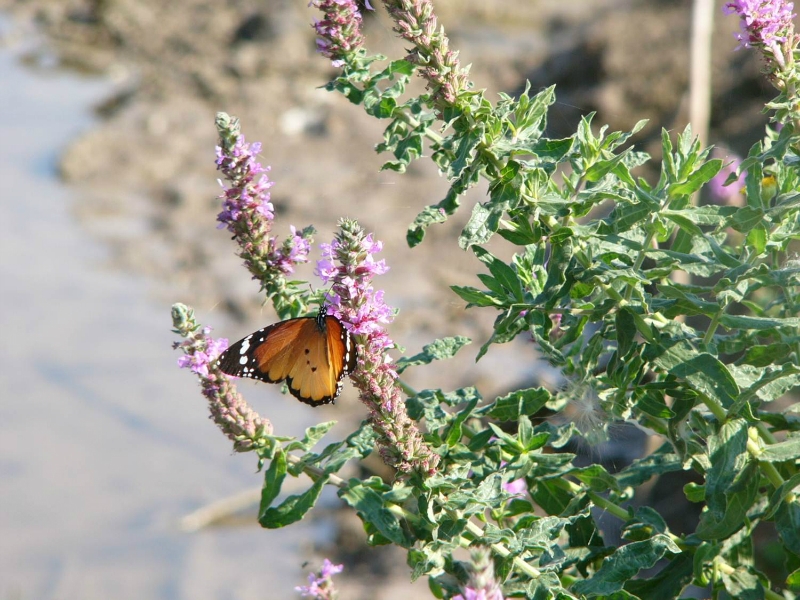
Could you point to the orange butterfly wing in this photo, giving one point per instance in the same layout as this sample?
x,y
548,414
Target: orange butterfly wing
x,y
312,354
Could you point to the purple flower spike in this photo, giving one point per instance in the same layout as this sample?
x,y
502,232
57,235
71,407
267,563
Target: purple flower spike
x,y
228,409
482,583
339,30
348,263
248,213
766,25
416,22
320,586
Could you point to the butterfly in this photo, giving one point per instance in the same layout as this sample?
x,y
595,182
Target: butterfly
x,y
312,354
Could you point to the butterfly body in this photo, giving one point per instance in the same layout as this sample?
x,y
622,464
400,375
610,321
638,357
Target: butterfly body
x,y
312,354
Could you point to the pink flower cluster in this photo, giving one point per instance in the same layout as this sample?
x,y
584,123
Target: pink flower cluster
x,y
200,356
339,30
248,213
293,251
243,426
320,586
352,299
764,23
349,265
246,203
483,584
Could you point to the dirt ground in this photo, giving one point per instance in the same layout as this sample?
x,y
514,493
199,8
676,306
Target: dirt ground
x,y
146,172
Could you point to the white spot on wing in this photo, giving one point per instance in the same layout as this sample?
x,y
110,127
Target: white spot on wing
x,y
243,360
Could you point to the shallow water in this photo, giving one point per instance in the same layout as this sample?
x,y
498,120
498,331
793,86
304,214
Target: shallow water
x,y
104,443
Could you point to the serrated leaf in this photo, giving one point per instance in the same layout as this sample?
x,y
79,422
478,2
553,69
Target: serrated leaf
x,y
315,433
762,356
521,402
293,508
788,449
787,522
455,433
474,296
747,217
624,564
273,480
668,584
503,273
697,179
743,583
439,349
429,215
370,507
663,460
704,372
481,226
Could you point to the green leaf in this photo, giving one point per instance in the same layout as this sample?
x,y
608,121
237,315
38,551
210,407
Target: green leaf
x,y
626,331
273,480
763,356
481,226
596,477
358,445
455,434
793,580
655,405
522,402
787,522
503,273
464,148
429,215
439,349
663,460
757,323
747,217
757,238
521,232
370,507
704,372
603,167
624,564
476,297
293,508
779,495
743,583
551,497
697,179
669,582
694,492
313,434
731,482
789,449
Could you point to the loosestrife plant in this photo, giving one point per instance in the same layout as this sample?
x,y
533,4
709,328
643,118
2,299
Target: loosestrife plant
x,y
705,362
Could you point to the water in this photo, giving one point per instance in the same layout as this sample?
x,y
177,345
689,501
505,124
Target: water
x,y
104,443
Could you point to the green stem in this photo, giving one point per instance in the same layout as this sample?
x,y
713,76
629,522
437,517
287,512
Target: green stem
x,y
501,551
715,407
609,507
766,467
